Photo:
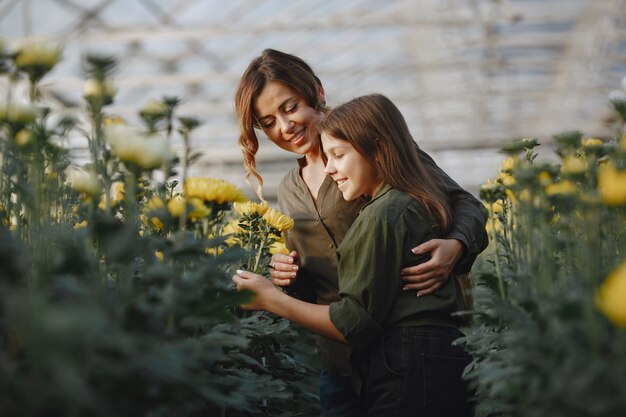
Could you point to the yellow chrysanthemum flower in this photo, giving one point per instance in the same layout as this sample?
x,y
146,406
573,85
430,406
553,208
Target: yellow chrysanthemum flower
x,y
278,220
23,137
118,191
83,181
279,247
80,225
176,206
506,179
213,190
215,251
95,88
37,54
135,146
610,297
154,203
18,114
592,143
612,185
154,108
510,163
250,207
562,188
113,121
573,165
198,210
230,230
544,178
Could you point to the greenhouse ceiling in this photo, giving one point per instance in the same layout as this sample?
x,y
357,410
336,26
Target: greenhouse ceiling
x,y
467,74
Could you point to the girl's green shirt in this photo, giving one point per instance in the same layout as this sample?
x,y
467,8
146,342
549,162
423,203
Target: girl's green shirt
x,y
374,251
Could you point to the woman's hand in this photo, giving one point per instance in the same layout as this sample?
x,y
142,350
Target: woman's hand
x,y
264,290
426,278
284,268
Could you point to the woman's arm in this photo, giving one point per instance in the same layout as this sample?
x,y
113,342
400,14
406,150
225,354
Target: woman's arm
x,y
464,242
469,217
267,297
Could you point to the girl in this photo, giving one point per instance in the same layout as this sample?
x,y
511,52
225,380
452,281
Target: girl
x,y
281,95
403,362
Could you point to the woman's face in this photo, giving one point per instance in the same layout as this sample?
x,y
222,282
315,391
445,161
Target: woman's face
x,y
287,119
353,174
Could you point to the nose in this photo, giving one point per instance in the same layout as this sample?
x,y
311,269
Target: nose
x,y
329,169
286,125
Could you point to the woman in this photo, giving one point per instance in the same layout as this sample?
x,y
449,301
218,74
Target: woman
x,y
404,361
281,95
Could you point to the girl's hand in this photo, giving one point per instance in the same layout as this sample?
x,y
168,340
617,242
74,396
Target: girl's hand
x,y
263,288
284,268
426,278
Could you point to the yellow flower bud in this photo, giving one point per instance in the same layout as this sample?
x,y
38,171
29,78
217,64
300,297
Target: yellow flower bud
x,y
80,225
610,297
154,108
562,188
23,137
612,185
573,165
95,88
592,143
510,163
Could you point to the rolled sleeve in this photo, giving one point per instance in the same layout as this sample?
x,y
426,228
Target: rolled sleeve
x,y
354,322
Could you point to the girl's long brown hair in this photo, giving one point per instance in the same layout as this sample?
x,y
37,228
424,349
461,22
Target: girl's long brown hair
x,y
271,65
376,129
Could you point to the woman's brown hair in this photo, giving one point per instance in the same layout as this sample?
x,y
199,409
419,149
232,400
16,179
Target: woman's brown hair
x,y
271,65
376,129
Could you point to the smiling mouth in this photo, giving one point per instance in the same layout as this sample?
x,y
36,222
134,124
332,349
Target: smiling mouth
x,y
341,182
297,138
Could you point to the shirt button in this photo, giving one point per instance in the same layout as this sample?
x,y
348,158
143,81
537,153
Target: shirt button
x,y
330,246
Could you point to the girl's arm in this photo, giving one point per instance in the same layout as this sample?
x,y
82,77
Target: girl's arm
x,y
313,317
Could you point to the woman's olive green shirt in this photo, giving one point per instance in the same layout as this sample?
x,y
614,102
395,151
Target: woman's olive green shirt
x,y
321,227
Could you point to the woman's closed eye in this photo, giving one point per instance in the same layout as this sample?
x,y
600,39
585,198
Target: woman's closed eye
x,y
267,124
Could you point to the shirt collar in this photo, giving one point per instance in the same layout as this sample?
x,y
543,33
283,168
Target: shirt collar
x,y
382,190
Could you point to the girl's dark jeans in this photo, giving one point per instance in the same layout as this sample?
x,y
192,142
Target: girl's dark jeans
x,y
415,371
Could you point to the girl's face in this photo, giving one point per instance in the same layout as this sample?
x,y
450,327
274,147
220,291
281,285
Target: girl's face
x,y
352,173
287,119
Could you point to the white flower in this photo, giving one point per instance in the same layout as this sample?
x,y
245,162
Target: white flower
x,y
83,181
135,146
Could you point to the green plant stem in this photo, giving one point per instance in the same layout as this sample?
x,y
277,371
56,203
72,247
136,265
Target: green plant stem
x,y
496,254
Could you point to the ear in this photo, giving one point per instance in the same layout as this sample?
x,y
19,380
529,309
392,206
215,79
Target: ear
x,y
321,95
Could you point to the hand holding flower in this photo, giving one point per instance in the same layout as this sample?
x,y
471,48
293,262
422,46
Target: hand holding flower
x,y
264,290
284,268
